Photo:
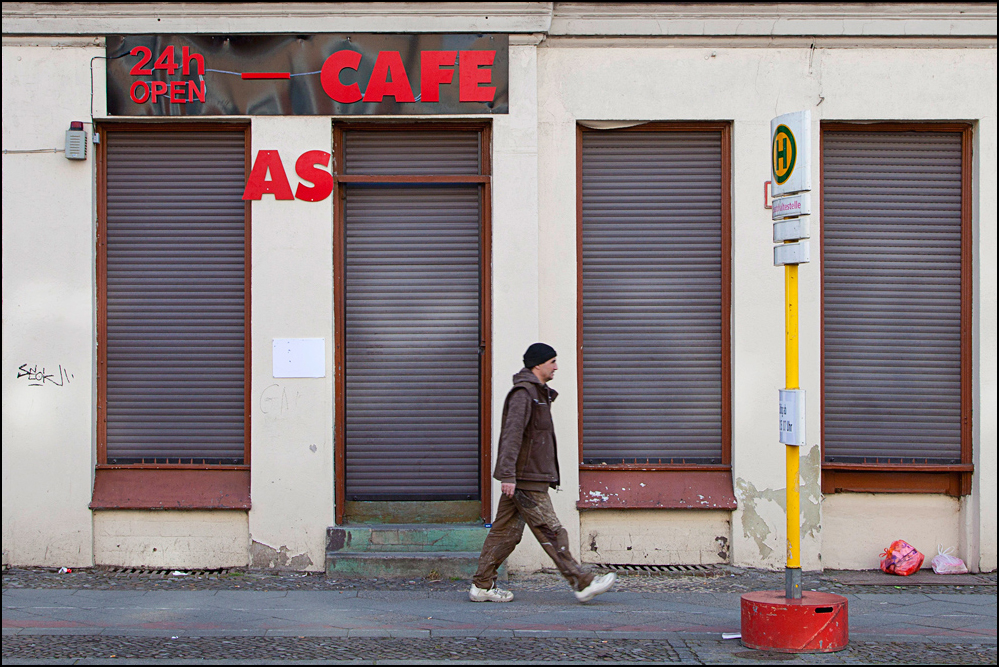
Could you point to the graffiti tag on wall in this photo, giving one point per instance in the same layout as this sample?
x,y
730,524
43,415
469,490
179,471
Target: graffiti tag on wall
x,y
39,377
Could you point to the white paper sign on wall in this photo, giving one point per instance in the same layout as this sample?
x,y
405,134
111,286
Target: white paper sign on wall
x,y
299,357
791,153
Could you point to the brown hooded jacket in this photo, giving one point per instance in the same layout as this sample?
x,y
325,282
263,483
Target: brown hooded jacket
x,y
527,449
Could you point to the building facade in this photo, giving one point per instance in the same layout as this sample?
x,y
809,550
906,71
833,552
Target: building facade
x,y
287,285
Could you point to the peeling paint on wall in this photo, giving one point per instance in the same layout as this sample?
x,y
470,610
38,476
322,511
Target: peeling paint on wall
x,y
811,495
755,526
264,556
722,547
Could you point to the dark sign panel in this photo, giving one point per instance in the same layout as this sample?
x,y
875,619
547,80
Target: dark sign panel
x,y
288,75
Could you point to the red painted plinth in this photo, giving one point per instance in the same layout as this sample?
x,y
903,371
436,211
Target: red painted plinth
x,y
817,623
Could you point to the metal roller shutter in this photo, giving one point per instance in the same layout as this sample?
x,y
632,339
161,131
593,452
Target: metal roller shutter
x,y
652,300
412,342
175,296
412,282
891,273
411,153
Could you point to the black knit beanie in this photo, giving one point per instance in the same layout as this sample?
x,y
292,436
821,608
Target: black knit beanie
x,y
538,354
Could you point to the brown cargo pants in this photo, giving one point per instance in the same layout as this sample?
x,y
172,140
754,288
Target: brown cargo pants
x,y
535,509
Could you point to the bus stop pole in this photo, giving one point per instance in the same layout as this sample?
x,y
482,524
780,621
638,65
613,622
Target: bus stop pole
x,y
792,573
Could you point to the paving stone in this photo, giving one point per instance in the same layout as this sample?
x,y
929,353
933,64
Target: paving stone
x,y
444,649
724,580
545,596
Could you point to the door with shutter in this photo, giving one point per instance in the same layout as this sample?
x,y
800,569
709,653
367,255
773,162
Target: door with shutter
x,y
412,323
173,380
893,310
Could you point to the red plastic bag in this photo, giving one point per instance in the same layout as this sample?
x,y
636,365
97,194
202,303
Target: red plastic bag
x,y
901,558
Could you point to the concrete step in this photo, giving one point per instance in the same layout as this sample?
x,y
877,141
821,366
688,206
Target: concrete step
x,y
405,538
424,564
433,551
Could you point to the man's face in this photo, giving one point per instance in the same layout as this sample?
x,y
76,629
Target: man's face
x,y
546,371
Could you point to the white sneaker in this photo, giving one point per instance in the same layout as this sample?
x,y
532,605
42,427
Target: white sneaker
x,y
599,585
494,594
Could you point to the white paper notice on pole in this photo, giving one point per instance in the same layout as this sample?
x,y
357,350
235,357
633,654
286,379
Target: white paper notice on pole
x,y
791,153
792,417
299,357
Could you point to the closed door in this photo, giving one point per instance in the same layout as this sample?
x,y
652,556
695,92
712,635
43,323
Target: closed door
x,y
412,319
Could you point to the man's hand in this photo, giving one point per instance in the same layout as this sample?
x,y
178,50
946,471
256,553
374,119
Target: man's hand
x,y
507,489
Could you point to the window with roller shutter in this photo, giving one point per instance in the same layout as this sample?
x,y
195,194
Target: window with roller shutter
x,y
895,268
172,272
654,273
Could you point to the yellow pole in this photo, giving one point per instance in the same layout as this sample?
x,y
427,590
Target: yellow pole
x,y
792,578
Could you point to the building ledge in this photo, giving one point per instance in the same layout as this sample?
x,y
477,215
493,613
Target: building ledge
x,y
109,18
708,489
171,489
555,19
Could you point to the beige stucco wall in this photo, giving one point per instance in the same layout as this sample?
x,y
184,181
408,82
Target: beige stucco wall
x,y
291,418
749,86
48,309
518,261
174,540
583,84
655,537
980,508
858,527
49,293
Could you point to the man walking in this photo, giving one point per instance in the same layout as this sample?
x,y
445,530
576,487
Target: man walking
x,y
527,465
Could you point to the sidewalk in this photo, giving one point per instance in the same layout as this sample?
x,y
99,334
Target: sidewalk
x,y
95,616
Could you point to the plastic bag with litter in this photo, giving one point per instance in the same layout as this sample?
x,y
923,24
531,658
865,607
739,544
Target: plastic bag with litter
x,y
947,563
901,558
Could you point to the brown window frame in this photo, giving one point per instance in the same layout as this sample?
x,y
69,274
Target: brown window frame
x,y
954,479
183,486
663,486
484,179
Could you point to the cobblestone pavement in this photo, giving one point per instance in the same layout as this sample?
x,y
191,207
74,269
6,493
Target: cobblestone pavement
x,y
27,647
723,579
313,649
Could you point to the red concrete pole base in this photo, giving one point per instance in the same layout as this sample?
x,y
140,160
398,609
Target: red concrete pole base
x,y
817,623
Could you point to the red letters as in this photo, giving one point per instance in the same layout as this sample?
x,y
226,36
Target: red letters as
x,y
471,74
329,77
321,179
389,63
257,184
431,74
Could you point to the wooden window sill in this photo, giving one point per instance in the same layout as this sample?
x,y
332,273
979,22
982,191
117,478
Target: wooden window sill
x,y
948,480
689,487
171,488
